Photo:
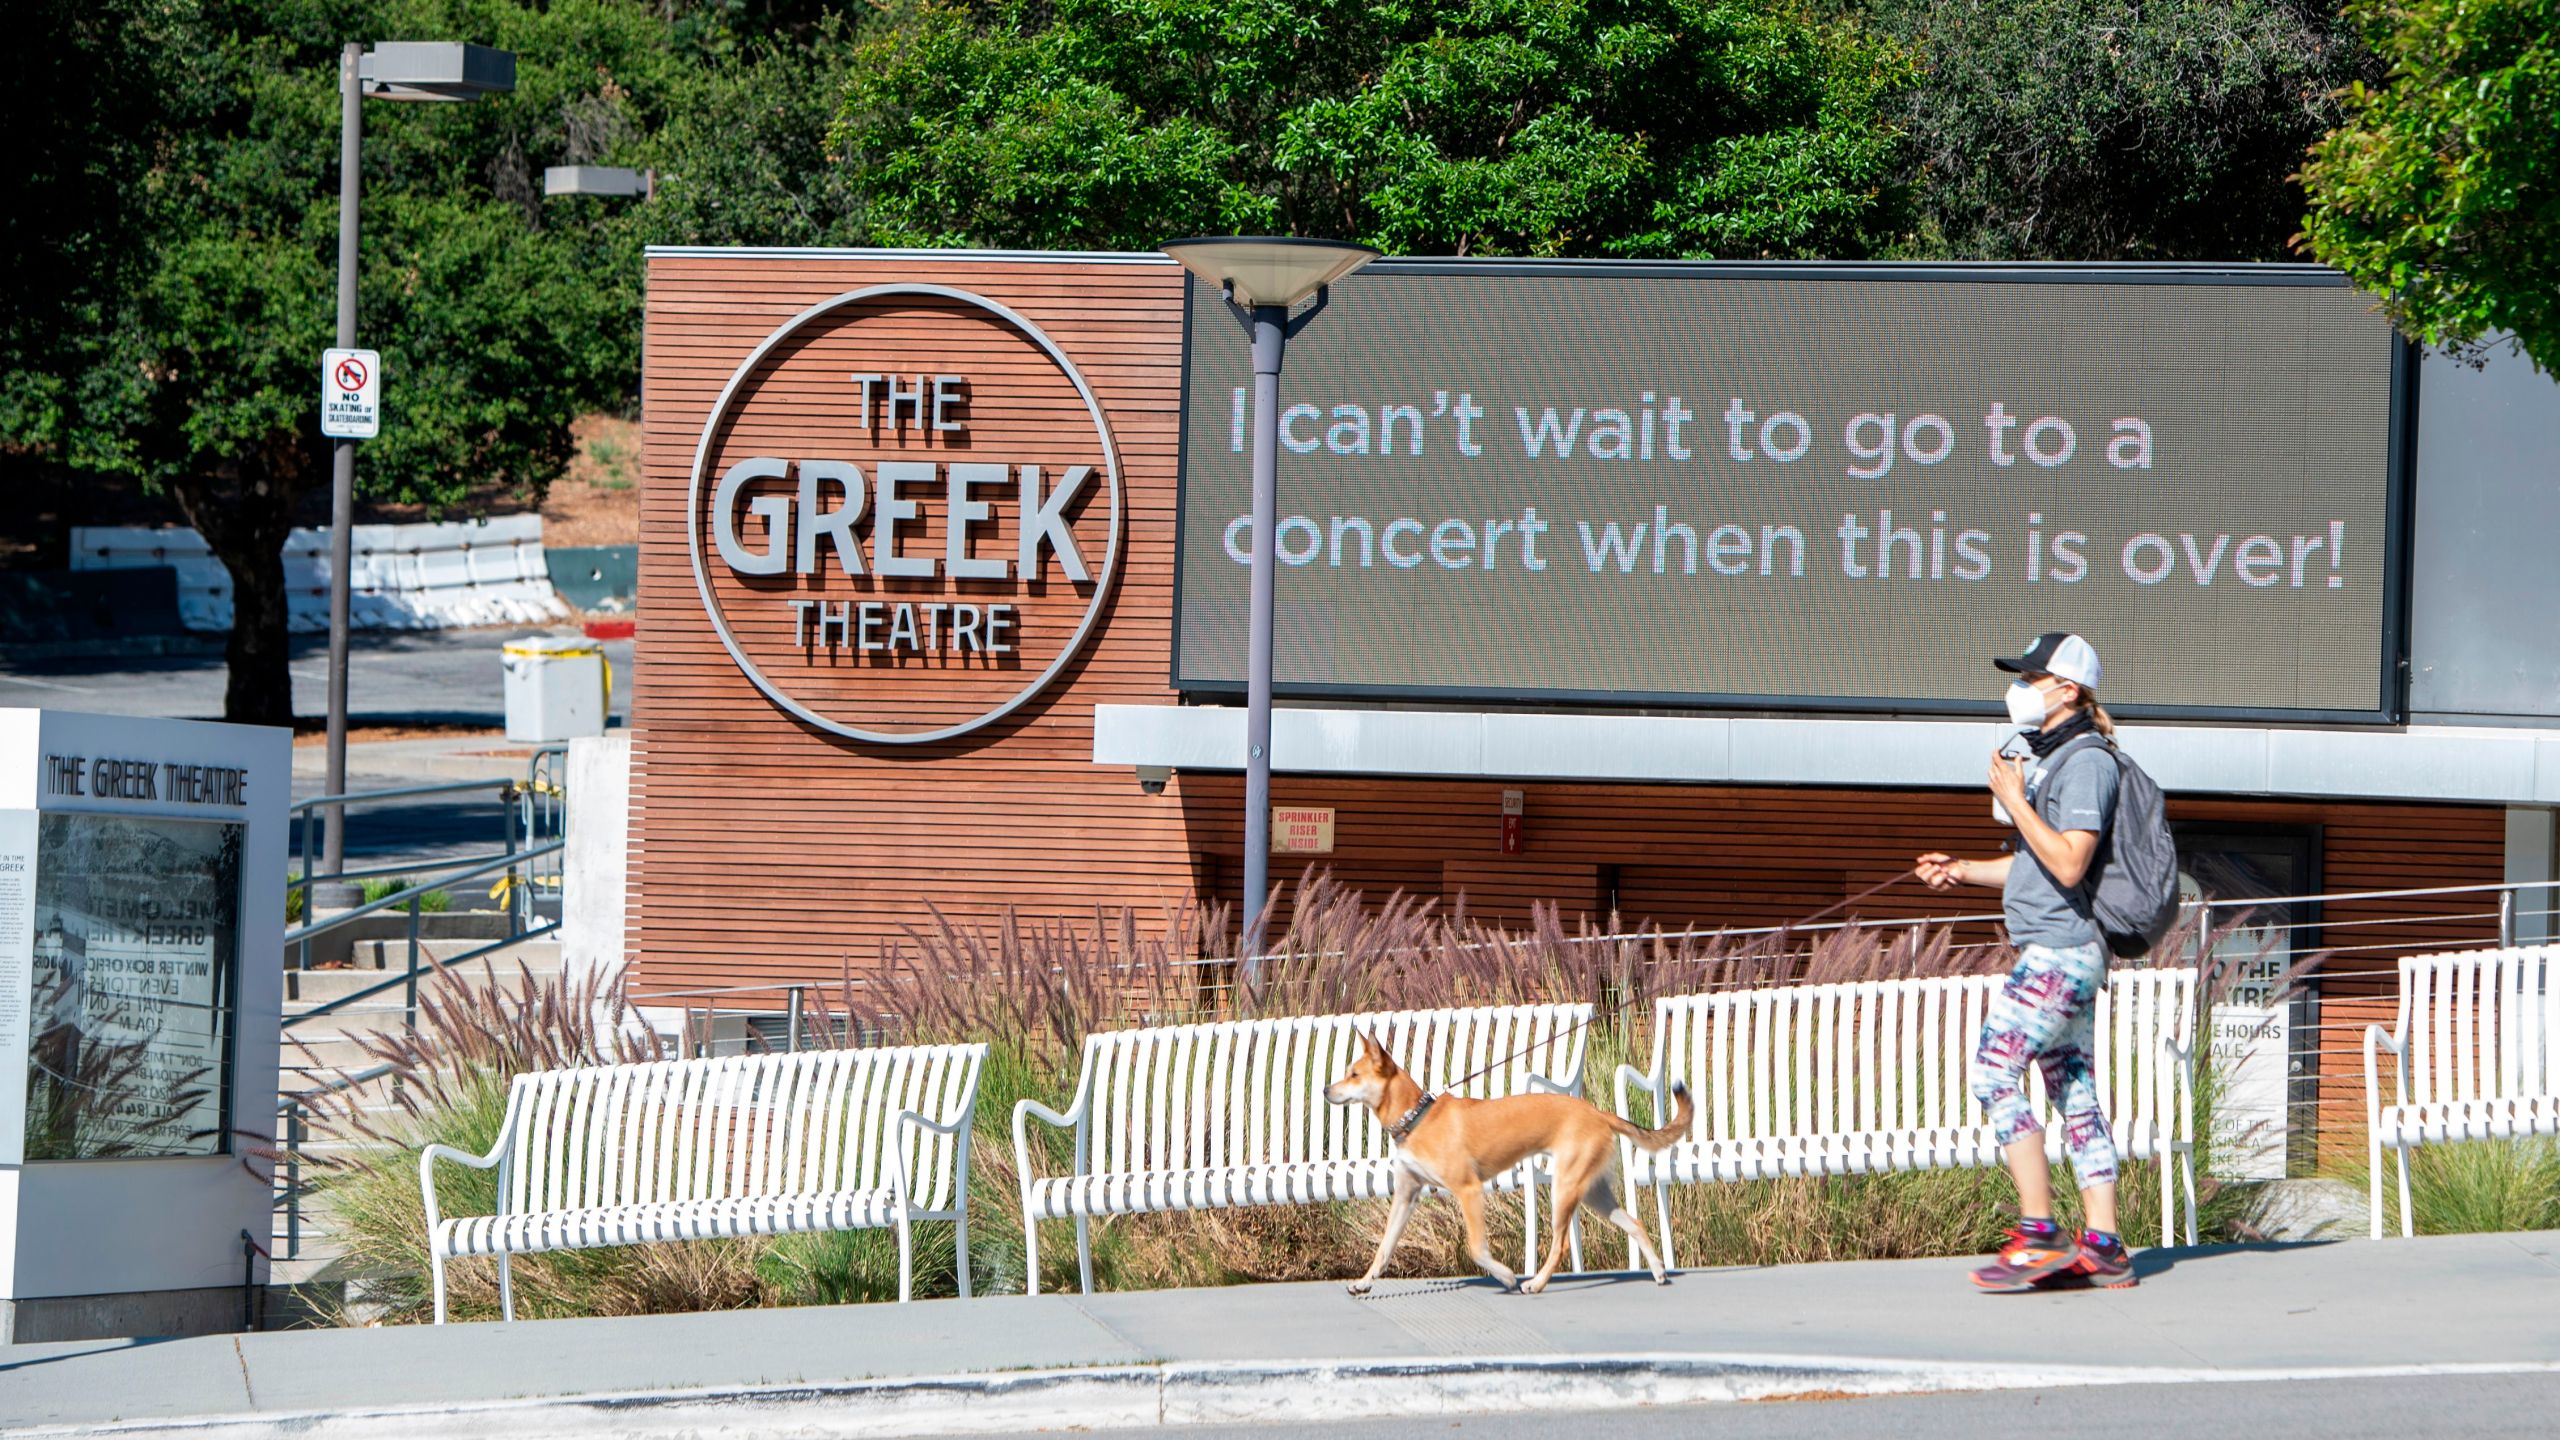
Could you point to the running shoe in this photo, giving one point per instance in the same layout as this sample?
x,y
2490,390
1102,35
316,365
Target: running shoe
x,y
2104,1263
2027,1257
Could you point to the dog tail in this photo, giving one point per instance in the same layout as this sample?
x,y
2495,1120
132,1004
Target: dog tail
x,y
1665,1137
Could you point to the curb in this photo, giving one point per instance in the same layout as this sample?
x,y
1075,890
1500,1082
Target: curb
x,y
1139,1396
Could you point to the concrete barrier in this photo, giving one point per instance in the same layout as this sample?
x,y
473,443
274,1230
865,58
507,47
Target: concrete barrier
x,y
404,577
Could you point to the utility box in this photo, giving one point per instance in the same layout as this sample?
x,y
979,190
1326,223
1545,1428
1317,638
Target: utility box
x,y
556,688
141,928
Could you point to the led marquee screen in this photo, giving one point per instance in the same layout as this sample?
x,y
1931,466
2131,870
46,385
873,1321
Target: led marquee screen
x,y
1840,488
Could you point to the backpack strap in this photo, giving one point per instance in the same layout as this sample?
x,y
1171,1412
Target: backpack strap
x,y
2077,744
2091,740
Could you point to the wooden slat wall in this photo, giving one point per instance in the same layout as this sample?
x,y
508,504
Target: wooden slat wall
x,y
766,851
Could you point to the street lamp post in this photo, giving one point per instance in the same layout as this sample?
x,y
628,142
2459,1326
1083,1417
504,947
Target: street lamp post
x,y
1262,277
395,70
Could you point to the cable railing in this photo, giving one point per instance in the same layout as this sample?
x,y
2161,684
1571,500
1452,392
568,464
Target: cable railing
x,y
714,1018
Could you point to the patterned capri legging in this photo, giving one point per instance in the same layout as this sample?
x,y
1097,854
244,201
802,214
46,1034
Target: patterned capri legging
x,y
2046,1012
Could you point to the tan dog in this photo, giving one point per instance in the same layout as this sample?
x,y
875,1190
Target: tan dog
x,y
1458,1144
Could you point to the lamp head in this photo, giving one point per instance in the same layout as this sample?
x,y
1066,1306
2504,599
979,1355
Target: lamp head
x,y
1268,269
593,180
436,70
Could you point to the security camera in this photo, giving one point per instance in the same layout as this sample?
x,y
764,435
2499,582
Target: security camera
x,y
1151,778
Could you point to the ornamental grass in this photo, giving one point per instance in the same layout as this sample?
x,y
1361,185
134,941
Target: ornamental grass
x,y
1033,991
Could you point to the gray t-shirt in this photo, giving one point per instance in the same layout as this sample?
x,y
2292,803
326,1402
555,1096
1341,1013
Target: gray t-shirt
x,y
2080,796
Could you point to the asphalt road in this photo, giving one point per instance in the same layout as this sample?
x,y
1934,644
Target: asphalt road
x,y
2382,1409
447,677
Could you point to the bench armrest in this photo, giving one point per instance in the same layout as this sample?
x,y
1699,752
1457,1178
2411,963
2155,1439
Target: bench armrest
x,y
1630,1077
1539,1083
427,1159
1032,1109
2181,1121
2398,1044
957,1127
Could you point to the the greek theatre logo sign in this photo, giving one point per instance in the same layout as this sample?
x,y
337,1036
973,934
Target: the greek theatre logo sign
x,y
905,513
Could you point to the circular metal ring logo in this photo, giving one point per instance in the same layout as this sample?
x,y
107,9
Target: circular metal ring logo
x,y
895,624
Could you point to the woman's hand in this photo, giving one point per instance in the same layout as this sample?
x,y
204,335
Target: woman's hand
x,y
2009,783
1939,871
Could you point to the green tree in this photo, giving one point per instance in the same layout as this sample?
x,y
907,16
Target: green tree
x,y
743,159
2116,129
499,319
2441,192
1489,127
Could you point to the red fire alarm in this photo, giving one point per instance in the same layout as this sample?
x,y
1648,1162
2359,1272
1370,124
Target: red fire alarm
x,y
1514,837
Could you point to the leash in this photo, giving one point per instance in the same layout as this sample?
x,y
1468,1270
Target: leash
x,y
1404,1125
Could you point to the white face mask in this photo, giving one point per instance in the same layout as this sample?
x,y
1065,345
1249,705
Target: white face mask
x,y
2027,706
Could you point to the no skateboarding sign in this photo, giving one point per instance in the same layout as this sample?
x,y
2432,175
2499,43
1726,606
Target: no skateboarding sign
x,y
350,394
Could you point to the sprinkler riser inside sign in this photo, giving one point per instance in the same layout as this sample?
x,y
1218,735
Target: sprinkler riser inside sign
x,y
898,553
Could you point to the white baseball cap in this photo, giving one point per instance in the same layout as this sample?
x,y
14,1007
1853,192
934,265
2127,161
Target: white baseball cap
x,y
2058,653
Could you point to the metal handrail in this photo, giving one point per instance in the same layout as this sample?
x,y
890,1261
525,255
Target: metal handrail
x,y
411,975
411,868
358,797
322,927
291,1108
510,792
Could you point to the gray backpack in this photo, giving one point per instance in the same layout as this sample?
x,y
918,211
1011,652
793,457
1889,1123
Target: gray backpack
x,y
2134,895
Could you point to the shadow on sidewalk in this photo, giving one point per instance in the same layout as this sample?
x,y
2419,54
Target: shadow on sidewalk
x,y
2161,1259
87,1348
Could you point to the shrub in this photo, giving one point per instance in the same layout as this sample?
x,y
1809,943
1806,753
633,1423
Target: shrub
x,y
433,902
2481,1185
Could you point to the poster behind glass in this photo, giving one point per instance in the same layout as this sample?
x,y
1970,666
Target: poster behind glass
x,y
137,937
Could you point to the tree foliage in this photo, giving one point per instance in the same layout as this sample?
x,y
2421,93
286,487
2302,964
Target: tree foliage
x,y
1487,127
168,233
499,319
2117,129
743,159
2441,192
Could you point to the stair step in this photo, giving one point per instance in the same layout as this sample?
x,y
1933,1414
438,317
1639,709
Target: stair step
x,y
541,956
537,952
480,925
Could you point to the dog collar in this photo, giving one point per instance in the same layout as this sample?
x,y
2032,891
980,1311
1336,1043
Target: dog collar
x,y
1403,1128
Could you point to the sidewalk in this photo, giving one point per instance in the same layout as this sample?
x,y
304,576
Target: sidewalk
x,y
1307,1352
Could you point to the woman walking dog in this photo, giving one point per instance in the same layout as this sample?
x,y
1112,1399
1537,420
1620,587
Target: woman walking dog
x,y
2044,1013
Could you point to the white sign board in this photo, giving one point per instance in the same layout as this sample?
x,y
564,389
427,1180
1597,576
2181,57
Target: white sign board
x,y
2253,1048
350,394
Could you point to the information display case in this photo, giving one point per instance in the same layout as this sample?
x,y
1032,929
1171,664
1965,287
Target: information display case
x,y
141,937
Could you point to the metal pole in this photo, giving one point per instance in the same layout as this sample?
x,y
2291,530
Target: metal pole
x,y
791,1034
1270,336
293,1179
411,1005
342,478
2506,919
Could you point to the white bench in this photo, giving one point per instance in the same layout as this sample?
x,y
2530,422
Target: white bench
x,y
767,1144
2476,1054
1870,1076
1233,1114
